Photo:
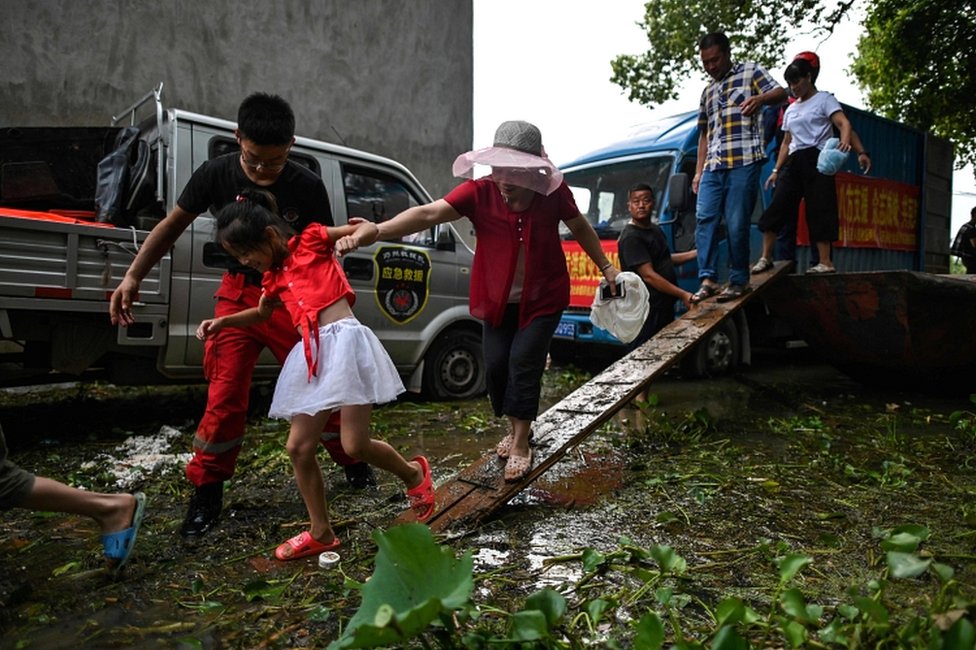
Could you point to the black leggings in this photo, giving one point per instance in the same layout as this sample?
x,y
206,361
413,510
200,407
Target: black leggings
x,y
800,180
515,360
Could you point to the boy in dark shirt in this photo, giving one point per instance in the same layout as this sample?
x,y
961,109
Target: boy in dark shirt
x,y
644,250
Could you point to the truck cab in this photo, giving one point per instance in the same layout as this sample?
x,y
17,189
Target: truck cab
x,y
412,293
883,221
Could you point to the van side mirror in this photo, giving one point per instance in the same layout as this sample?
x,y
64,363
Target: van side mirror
x,y
679,192
445,240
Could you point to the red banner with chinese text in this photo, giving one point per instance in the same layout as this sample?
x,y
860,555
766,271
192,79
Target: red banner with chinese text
x,y
874,213
583,274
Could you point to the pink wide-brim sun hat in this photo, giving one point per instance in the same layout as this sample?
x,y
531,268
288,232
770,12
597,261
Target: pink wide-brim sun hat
x,y
517,157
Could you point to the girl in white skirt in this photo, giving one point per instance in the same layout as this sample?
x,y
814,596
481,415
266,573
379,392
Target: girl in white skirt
x,y
339,363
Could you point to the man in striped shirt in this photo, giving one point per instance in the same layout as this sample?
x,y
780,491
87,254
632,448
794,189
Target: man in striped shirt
x,y
730,154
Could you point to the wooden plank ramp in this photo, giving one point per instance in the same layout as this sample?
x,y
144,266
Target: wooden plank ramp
x,y
480,489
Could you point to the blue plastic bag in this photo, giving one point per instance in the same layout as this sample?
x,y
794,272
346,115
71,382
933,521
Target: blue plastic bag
x,y
831,159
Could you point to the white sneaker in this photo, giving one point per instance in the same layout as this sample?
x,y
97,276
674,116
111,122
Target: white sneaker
x,y
762,265
821,268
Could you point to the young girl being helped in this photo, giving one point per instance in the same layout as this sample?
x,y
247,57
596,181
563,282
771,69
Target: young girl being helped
x,y
339,362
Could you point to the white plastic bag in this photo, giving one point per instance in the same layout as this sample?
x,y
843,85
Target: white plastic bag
x,y
622,317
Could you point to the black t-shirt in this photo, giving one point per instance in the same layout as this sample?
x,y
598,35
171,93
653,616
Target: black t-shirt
x,y
638,246
301,195
962,245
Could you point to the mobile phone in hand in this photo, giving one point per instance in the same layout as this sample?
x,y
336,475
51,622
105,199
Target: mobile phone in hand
x,y
605,291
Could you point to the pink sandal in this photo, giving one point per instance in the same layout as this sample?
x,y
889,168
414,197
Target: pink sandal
x,y
303,545
504,446
422,499
518,467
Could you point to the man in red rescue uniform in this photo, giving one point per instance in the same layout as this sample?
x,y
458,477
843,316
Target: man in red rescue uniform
x,y
265,133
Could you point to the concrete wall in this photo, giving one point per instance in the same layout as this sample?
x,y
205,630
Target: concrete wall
x,y
388,76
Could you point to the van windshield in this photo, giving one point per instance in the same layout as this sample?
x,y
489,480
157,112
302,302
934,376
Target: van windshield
x,y
601,192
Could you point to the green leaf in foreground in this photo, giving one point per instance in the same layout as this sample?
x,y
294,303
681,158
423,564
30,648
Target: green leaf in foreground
x,y
415,581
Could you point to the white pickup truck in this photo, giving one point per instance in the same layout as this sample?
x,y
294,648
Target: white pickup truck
x,y
59,262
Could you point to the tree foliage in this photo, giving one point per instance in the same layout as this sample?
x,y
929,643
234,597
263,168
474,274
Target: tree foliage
x,y
756,29
916,62
916,59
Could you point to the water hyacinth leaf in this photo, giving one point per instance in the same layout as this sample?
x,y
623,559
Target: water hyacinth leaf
x,y
666,517
528,626
919,531
650,632
795,605
795,633
551,603
663,595
791,565
906,565
595,609
835,632
847,611
263,590
944,571
727,638
593,559
872,609
320,614
668,560
414,582
903,542
730,611
961,636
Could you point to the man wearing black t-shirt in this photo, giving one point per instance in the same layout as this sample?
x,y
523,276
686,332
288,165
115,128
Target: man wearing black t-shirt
x,y
265,133
644,250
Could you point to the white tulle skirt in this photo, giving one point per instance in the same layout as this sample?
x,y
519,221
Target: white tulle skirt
x,y
353,368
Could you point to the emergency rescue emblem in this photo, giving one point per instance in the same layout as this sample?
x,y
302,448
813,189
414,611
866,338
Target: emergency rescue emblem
x,y
403,281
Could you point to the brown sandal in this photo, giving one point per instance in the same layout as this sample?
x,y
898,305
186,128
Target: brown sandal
x,y
518,467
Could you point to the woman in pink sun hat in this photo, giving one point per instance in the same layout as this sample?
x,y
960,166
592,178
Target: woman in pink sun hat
x,y
519,279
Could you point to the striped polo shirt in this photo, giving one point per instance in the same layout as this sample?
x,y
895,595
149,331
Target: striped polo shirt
x,y
734,140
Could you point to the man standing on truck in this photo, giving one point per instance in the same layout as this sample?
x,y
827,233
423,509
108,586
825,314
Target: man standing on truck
x,y
730,154
265,133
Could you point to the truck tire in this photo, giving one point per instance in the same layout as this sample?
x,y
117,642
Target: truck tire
x,y
454,366
714,356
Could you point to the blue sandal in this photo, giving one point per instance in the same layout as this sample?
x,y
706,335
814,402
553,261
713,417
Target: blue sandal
x,y
118,545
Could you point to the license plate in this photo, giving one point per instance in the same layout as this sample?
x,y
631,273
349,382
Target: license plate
x,y
566,329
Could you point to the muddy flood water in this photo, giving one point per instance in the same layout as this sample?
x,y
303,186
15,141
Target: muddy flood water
x,y
732,474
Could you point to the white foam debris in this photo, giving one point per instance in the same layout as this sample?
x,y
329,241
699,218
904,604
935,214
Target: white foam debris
x,y
139,457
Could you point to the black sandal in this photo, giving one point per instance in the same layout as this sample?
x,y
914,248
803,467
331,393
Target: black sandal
x,y
732,292
705,291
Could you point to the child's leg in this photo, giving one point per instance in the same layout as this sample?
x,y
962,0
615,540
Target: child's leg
x,y
356,442
303,442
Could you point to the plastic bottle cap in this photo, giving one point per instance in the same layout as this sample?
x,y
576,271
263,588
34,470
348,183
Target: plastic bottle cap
x,y
328,559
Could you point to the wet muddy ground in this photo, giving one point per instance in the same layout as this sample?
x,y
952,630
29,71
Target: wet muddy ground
x,y
786,457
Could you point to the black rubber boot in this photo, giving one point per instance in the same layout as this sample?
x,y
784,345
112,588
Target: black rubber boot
x,y
204,511
360,476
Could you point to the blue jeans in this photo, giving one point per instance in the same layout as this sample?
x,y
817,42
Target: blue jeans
x,y
730,193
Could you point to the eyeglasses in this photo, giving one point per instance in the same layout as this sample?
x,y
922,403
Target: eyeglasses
x,y
261,166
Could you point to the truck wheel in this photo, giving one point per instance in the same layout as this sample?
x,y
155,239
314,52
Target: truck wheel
x,y
454,366
715,355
